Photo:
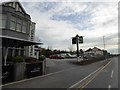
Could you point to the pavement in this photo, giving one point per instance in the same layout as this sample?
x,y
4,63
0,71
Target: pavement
x,y
67,75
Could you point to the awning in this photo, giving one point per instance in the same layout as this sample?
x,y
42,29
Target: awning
x,y
16,42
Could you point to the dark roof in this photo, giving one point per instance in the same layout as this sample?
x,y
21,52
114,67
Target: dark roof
x,y
92,49
16,1
16,42
88,50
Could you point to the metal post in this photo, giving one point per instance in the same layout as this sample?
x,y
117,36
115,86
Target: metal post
x,y
77,46
77,43
76,40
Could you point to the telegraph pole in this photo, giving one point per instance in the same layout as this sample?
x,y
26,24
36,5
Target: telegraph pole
x,y
106,56
104,42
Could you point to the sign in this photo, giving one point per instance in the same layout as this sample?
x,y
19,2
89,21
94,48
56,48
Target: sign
x,y
74,40
33,70
7,73
80,40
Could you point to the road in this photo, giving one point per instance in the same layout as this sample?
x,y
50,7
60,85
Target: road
x,y
62,74
106,77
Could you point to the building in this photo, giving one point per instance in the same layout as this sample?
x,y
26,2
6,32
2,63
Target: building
x,y
94,51
17,30
32,38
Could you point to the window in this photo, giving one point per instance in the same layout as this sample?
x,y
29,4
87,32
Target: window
x,y
13,4
16,52
17,7
10,4
10,52
2,20
24,27
20,10
22,53
13,23
19,25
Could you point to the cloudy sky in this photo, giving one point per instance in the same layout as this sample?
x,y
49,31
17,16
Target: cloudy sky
x,y
57,22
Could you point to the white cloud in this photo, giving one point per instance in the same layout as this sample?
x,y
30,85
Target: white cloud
x,y
57,34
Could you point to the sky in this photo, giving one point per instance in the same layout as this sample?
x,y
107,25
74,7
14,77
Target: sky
x,y
58,21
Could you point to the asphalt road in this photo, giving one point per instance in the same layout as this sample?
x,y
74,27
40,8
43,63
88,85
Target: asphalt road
x,y
63,74
107,78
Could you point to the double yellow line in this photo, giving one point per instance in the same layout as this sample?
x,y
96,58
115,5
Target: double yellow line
x,y
90,79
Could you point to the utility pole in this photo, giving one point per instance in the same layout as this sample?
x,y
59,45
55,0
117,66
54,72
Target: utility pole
x,y
106,56
104,42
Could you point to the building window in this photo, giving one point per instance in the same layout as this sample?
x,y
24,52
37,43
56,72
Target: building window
x,y
13,4
22,53
20,10
17,7
13,23
19,25
24,27
16,52
2,20
10,4
10,52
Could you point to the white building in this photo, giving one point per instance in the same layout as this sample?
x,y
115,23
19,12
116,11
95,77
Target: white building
x,y
94,51
34,49
32,38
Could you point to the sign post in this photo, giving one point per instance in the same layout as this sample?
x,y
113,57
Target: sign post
x,y
76,40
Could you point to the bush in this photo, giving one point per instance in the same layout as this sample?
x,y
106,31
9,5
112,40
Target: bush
x,y
42,58
30,60
18,59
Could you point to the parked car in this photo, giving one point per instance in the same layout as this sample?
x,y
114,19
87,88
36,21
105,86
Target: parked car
x,y
68,55
56,56
72,56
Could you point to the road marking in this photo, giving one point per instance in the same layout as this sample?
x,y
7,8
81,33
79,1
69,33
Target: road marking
x,y
84,84
91,79
109,87
112,73
37,77
96,74
84,78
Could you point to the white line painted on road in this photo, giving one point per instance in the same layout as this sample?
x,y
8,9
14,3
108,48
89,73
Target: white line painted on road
x,y
38,77
109,87
84,78
112,73
101,68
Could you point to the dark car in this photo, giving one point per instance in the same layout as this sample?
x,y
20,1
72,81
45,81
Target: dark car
x,y
56,56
